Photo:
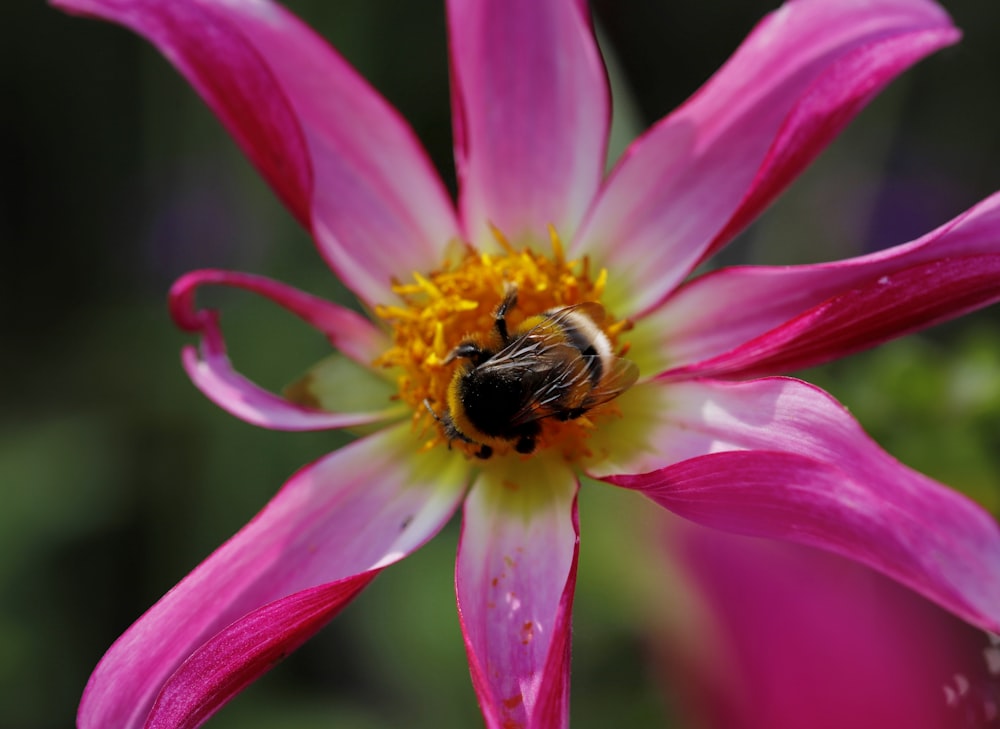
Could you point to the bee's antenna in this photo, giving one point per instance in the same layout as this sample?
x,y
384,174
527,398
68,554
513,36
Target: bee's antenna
x,y
500,317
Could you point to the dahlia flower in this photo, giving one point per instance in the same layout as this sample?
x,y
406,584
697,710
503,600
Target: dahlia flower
x,y
535,212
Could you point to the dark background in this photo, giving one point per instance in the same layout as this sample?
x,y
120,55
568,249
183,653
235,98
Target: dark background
x,y
117,477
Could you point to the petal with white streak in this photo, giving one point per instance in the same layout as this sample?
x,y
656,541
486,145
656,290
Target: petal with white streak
x,y
515,577
761,319
344,161
330,529
779,458
695,179
531,115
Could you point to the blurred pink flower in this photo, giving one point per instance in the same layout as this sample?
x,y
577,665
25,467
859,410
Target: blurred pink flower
x,y
773,457
790,638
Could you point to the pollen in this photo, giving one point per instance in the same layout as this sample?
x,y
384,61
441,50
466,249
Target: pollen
x,y
437,311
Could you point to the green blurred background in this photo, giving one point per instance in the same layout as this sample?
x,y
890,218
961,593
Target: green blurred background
x,y
117,477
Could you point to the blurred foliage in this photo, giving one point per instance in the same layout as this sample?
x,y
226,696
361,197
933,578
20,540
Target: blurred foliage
x,y
117,477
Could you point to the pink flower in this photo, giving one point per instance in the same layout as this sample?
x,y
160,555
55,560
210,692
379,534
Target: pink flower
x,y
773,457
853,650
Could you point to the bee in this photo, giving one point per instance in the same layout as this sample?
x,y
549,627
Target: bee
x,y
558,364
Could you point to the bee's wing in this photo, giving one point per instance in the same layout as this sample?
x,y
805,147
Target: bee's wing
x,y
545,365
621,376
567,372
559,370
537,349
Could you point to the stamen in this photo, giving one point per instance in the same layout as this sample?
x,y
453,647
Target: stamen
x,y
558,255
502,240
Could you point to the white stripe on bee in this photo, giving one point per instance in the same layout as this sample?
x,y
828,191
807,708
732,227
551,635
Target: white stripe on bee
x,y
583,332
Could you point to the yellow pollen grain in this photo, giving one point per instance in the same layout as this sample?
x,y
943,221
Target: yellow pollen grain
x,y
436,311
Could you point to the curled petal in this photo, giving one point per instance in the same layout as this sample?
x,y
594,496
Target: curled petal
x,y
346,330
515,577
759,319
323,537
694,180
779,458
210,370
531,114
346,164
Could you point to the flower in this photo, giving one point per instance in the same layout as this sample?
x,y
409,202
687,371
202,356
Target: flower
x,y
772,457
855,650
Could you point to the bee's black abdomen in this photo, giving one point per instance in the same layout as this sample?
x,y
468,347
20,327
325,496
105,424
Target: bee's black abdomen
x,y
491,402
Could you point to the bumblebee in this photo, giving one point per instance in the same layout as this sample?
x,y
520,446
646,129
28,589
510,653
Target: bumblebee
x,y
558,364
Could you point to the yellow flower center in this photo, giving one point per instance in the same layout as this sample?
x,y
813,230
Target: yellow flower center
x,y
457,304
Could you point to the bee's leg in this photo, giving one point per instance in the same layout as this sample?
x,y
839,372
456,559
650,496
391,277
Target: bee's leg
x,y
526,438
500,317
427,404
447,424
570,414
451,432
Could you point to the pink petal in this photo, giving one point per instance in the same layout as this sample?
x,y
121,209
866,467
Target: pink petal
x,y
346,164
699,176
244,651
330,529
748,320
910,300
211,371
779,458
348,331
515,577
229,73
792,638
531,115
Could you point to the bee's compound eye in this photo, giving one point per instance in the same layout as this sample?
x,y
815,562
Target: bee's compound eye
x,y
467,350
